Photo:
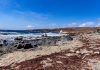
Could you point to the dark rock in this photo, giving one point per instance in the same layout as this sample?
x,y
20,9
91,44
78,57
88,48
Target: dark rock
x,y
22,41
66,38
20,46
40,42
5,42
19,38
44,35
69,38
36,45
1,45
28,46
72,34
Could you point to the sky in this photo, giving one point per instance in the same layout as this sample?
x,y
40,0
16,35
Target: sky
x,y
38,14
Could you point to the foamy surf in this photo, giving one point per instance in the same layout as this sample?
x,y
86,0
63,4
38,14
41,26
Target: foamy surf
x,y
12,35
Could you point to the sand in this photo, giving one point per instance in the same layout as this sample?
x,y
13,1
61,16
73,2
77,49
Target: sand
x,y
19,56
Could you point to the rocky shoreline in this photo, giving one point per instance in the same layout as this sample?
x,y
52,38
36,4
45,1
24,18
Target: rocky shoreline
x,y
24,43
73,51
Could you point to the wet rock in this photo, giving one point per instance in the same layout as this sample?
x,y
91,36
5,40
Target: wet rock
x,y
20,46
28,46
67,38
72,34
40,42
1,43
5,42
44,35
19,38
36,45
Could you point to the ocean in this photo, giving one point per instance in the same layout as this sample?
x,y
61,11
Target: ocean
x,y
11,34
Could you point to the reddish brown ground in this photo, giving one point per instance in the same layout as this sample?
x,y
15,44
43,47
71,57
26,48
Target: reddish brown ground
x,y
78,29
72,29
61,60
67,63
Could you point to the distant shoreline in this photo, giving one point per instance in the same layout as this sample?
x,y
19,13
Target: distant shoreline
x,y
67,29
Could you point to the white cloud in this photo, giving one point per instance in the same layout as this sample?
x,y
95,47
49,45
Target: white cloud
x,y
87,24
23,20
52,25
74,24
30,27
97,24
98,18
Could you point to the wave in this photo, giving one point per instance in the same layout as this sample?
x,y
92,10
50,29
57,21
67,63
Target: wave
x,y
12,35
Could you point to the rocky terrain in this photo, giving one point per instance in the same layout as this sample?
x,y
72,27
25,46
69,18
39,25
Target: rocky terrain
x,y
74,51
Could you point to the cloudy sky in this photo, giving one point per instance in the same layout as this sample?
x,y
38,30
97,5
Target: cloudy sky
x,y
34,14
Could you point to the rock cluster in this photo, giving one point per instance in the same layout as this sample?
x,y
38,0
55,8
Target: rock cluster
x,y
86,57
21,43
